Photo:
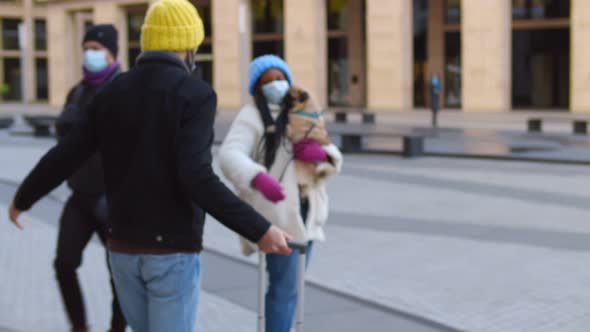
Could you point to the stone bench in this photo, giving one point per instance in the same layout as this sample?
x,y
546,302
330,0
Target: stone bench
x,y
41,124
341,116
579,126
6,123
412,145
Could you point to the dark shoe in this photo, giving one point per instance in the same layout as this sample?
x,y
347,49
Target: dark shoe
x,y
117,329
80,330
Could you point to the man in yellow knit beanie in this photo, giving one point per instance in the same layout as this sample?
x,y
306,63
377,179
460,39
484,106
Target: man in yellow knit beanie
x,y
172,25
153,127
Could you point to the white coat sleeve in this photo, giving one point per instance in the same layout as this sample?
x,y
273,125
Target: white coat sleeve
x,y
237,151
334,164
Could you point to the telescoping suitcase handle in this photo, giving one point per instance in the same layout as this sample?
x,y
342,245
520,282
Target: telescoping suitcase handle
x,y
302,247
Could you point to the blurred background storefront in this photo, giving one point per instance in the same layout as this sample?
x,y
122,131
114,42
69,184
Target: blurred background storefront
x,y
504,55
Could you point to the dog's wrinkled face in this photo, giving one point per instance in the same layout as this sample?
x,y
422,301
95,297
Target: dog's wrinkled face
x,y
296,99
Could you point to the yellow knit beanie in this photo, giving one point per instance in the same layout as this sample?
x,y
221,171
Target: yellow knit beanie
x,y
172,25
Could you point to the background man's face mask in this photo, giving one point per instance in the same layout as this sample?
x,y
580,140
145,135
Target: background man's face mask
x,y
275,91
95,61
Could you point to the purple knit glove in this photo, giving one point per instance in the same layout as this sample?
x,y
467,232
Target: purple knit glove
x,y
309,151
269,187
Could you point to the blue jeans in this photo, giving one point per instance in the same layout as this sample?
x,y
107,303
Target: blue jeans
x,y
281,297
158,293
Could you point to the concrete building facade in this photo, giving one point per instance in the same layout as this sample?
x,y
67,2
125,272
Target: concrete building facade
x,y
379,55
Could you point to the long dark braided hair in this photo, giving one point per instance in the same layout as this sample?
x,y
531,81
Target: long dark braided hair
x,y
274,130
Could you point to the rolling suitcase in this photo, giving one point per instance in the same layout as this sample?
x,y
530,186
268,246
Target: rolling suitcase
x,y
302,247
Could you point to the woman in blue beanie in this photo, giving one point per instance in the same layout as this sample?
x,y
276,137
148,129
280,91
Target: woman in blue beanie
x,y
263,163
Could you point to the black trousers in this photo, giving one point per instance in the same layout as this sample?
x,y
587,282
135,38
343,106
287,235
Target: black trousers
x,y
81,218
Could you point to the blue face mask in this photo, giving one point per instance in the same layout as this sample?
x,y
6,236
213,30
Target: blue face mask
x,y
95,61
275,91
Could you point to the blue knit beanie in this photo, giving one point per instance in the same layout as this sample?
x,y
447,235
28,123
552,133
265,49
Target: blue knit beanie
x,y
264,63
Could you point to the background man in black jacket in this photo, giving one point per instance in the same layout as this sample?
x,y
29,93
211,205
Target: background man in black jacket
x,y
153,127
85,212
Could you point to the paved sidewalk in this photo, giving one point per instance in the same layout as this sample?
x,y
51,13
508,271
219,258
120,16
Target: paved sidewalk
x,y
228,302
477,245
480,246
30,299
29,292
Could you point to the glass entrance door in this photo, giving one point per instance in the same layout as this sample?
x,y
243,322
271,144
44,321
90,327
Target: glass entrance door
x,y
346,53
540,54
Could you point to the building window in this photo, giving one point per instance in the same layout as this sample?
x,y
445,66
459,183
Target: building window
x,y
452,84
420,53
40,35
338,56
10,34
204,59
267,27
540,54
135,17
452,54
268,47
452,11
540,9
338,14
204,9
338,94
42,79
540,68
204,64
346,53
11,88
87,25
134,23
267,16
12,76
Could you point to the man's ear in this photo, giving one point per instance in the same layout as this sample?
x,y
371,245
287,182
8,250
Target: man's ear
x,y
111,58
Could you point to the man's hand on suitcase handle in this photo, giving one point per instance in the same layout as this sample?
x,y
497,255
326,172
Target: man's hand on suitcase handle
x,y
274,241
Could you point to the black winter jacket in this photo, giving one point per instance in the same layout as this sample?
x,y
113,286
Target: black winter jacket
x,y
88,179
153,127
